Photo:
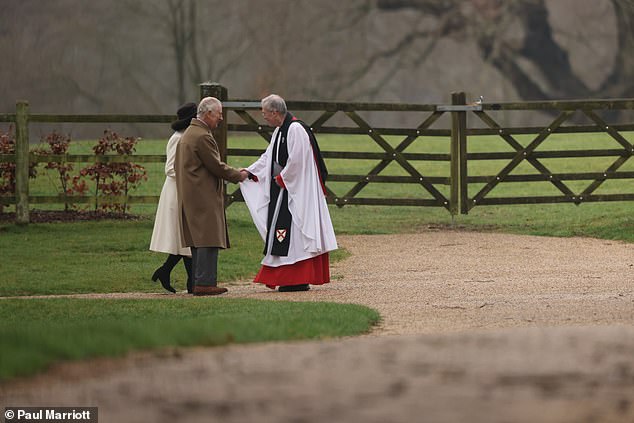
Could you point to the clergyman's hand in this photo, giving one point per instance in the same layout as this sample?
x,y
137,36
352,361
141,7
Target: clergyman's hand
x,y
250,176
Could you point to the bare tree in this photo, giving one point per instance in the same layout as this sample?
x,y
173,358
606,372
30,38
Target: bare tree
x,y
204,38
620,83
536,65
130,56
489,23
181,22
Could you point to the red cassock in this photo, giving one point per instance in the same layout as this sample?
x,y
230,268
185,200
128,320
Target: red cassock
x,y
314,271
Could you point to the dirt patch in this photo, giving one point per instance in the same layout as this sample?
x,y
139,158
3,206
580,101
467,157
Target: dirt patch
x,y
476,327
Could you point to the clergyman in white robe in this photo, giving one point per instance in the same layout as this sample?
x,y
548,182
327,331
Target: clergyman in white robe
x,y
310,234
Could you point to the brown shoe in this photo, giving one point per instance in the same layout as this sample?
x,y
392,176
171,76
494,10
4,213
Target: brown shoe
x,y
209,290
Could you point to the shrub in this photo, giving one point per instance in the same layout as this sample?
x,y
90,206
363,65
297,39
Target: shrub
x,y
111,178
7,169
59,144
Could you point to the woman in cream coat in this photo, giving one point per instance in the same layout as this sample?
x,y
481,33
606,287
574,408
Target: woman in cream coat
x,y
166,236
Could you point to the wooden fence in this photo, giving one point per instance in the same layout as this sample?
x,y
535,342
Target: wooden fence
x,y
451,190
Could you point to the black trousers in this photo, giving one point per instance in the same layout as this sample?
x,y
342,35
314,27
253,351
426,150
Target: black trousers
x,y
204,266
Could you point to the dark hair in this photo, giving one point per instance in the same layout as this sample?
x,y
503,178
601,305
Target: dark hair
x,y
185,114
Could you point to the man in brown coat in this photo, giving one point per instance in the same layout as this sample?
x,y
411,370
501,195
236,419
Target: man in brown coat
x,y
199,180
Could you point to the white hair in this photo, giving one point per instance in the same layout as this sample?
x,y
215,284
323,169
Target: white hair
x,y
274,103
208,104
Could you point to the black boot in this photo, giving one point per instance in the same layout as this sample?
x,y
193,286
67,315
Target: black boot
x,y
163,272
187,261
294,288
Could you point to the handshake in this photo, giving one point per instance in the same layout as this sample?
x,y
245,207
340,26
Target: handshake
x,y
245,174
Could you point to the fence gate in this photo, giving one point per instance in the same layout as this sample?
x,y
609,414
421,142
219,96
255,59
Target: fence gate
x,y
576,168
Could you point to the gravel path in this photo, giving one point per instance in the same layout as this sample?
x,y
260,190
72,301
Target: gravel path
x,y
447,281
476,327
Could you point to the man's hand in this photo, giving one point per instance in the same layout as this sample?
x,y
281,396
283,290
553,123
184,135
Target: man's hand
x,y
244,174
250,175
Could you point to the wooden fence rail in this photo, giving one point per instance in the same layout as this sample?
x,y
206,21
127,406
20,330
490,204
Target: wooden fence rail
x,y
450,191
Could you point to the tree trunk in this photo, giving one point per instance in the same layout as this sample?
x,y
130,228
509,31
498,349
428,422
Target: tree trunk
x,y
620,83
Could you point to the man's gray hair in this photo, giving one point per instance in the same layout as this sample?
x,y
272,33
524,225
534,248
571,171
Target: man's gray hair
x,y
208,104
274,103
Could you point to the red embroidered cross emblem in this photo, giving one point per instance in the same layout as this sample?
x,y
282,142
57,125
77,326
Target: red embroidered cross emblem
x,y
280,234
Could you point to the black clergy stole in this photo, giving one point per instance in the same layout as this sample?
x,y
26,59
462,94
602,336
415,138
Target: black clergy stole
x,y
278,224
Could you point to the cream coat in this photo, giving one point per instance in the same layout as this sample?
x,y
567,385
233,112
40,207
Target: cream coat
x,y
199,181
166,236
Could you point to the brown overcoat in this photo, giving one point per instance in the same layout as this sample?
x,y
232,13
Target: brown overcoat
x,y
199,183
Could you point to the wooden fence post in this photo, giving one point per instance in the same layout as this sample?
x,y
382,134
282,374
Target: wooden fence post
x,y
22,162
213,89
464,192
458,162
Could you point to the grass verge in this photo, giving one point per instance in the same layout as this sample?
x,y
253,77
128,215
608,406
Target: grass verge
x,y
34,333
